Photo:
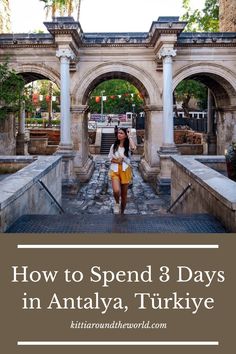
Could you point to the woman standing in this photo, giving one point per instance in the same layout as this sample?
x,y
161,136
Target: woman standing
x,y
120,170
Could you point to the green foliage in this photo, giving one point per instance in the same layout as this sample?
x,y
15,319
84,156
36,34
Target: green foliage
x,y
191,88
54,2
116,105
11,88
38,31
65,7
188,89
231,161
206,20
29,107
40,121
231,153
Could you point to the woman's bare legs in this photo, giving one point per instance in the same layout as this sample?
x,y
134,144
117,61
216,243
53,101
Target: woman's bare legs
x,y
116,189
124,191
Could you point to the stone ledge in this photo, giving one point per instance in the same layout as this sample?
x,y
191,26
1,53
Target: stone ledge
x,y
85,172
14,186
21,193
210,192
149,173
209,178
17,159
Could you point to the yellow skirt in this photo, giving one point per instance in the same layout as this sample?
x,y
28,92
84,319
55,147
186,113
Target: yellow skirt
x,y
124,177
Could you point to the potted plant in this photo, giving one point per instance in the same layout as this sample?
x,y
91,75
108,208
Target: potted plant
x,y
231,161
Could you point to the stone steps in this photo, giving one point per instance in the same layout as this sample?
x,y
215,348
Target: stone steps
x,y
107,140
92,223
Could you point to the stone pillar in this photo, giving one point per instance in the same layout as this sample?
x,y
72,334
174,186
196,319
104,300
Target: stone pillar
x,y
7,135
69,181
21,129
21,141
209,112
150,163
168,126
168,146
226,128
211,138
83,162
65,55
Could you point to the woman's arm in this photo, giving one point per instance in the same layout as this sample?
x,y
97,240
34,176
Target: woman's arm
x,y
117,160
112,158
131,142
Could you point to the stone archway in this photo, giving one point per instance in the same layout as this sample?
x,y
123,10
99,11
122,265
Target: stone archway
x,y
149,60
136,75
153,108
32,73
221,83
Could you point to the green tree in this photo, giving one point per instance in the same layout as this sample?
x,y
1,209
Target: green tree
x,y
205,20
120,96
64,7
188,89
11,90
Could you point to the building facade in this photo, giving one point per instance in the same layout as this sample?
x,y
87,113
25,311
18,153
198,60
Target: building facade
x,y
155,62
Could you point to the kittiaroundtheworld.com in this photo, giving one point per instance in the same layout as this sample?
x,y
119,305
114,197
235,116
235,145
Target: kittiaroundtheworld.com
x,y
117,325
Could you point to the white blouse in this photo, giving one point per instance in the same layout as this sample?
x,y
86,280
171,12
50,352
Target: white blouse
x,y
118,154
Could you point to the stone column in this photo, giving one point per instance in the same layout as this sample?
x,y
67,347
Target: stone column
x,y
69,181
168,146
211,138
65,55
21,141
209,112
226,128
21,128
7,135
150,162
168,126
83,162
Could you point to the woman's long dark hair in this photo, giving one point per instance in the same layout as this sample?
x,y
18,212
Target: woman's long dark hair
x,y
126,143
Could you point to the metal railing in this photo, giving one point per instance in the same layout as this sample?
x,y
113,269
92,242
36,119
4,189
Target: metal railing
x,y
179,197
51,195
196,124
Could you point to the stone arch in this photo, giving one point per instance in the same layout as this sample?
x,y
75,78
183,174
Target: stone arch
x,y
221,81
36,72
118,70
31,73
222,84
153,107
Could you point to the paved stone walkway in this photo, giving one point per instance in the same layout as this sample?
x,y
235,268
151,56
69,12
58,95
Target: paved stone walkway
x,y
146,211
110,223
96,197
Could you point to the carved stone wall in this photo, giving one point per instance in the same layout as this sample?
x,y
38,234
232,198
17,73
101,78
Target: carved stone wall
x,y
227,15
7,136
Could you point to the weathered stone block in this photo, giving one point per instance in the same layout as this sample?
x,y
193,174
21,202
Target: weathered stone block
x,y
22,193
210,192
